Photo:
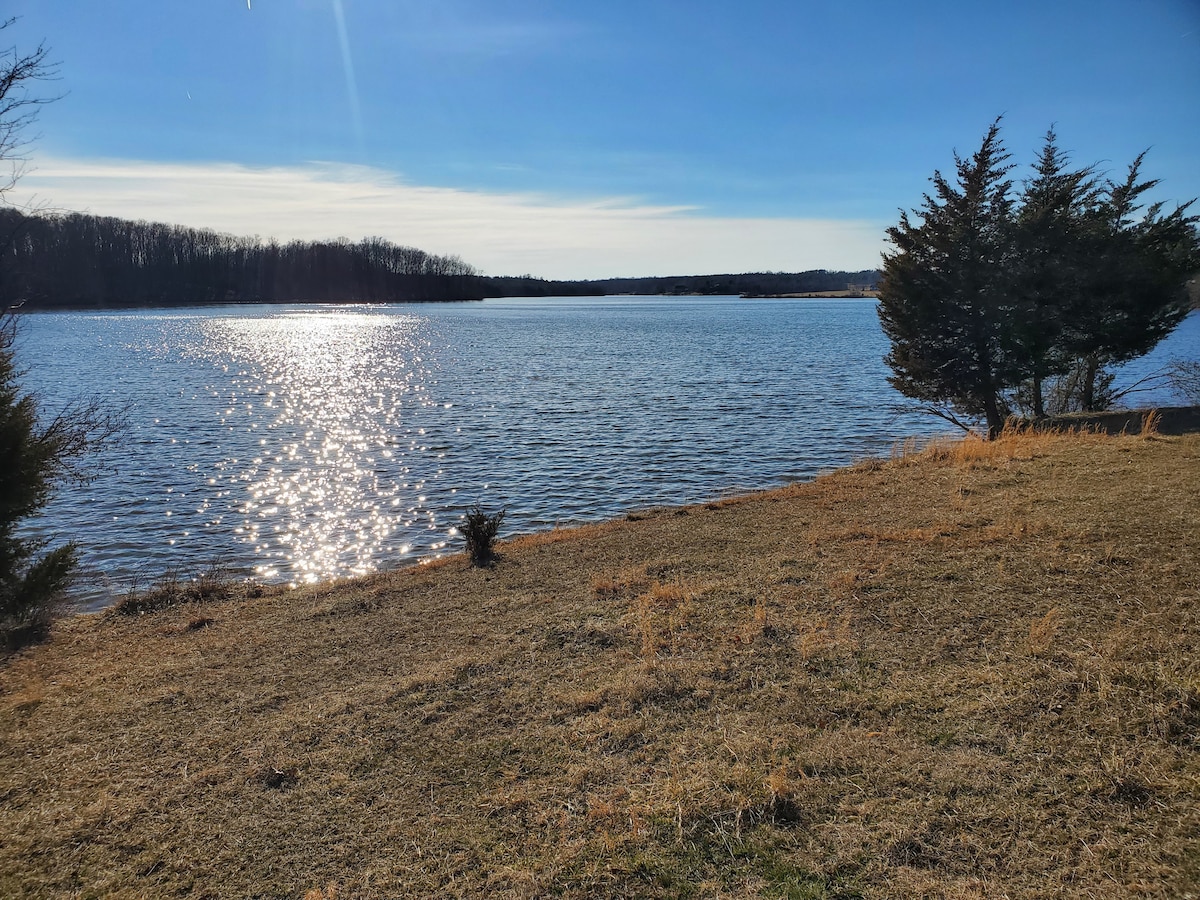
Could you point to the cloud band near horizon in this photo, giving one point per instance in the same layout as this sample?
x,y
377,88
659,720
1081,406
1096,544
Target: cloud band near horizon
x,y
499,233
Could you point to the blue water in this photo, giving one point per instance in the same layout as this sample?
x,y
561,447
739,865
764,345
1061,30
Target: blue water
x,y
298,443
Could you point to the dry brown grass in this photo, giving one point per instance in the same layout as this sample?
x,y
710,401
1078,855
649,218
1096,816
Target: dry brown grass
x,y
970,672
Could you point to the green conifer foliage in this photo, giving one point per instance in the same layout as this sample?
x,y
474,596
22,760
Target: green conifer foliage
x,y
1048,274
36,455
30,460
941,299
986,296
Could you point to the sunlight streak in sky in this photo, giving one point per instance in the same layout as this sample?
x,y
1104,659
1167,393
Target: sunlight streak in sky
x,y
348,67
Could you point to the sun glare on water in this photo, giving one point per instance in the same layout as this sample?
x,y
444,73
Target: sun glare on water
x,y
334,397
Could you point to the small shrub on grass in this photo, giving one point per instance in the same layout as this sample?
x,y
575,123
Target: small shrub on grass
x,y
171,589
480,533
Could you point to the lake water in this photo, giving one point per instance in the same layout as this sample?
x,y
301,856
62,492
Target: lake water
x,y
298,443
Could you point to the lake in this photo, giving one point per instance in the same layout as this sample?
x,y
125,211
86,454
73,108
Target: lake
x,y
300,443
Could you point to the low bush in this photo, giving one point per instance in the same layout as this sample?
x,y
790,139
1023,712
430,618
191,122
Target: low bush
x,y
173,589
479,531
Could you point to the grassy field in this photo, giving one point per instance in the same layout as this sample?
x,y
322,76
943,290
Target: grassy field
x,y
968,672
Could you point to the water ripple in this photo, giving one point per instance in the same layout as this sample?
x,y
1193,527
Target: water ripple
x,y
301,443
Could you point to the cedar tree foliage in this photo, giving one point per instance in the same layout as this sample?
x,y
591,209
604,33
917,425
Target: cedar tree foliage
x,y
989,293
1048,259
941,302
35,454
34,457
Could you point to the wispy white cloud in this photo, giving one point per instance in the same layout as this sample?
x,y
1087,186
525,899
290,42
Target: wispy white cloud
x,y
501,233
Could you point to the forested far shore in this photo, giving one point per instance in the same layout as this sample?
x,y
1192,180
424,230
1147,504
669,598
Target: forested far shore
x,y
76,260
752,284
73,261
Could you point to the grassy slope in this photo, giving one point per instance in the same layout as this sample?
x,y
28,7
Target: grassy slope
x,y
969,673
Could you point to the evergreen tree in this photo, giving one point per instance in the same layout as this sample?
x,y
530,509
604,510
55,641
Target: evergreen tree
x,y
30,459
985,298
1135,287
34,456
942,300
1047,275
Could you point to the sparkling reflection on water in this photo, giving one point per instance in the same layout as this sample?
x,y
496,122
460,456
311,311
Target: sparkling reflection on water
x,y
331,484
299,443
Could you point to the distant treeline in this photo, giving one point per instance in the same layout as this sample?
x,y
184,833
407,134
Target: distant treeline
x,y
755,284
82,261
89,261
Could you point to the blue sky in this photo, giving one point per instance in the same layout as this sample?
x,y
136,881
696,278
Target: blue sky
x,y
572,139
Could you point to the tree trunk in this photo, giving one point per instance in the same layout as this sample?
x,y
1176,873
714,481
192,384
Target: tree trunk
x,y
995,421
1039,408
1087,398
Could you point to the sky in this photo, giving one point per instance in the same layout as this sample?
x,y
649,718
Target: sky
x,y
567,139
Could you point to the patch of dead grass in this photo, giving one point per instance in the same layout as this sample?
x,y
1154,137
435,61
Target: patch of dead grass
x,y
963,672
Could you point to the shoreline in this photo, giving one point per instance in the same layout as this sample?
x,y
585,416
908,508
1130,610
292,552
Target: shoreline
x,y
1173,421
37,308
817,295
